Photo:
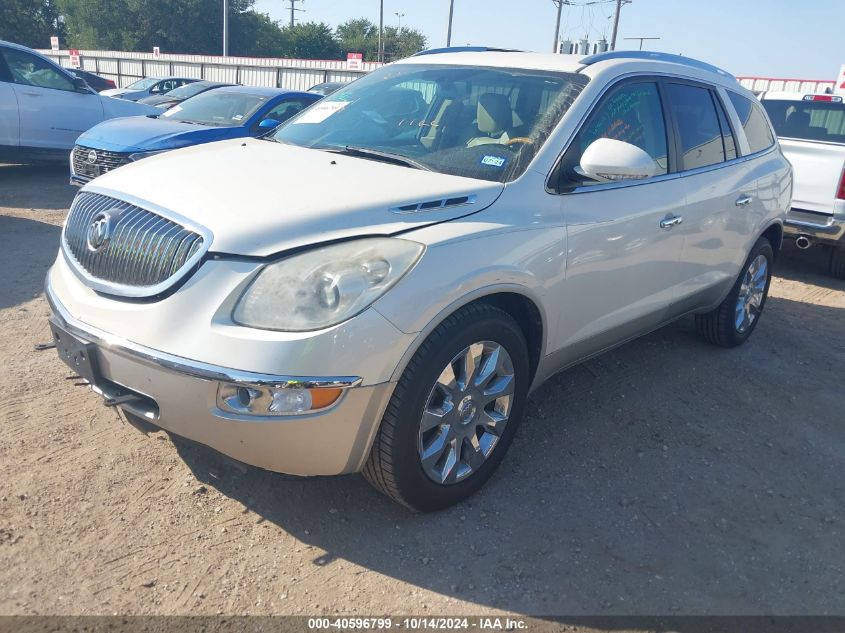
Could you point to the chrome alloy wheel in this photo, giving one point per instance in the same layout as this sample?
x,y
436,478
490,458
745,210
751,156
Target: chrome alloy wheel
x,y
466,412
750,299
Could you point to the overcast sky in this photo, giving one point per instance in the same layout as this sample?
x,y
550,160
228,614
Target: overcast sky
x,y
770,38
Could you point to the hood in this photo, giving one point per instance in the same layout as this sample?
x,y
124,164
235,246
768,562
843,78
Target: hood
x,y
260,197
158,100
142,133
114,92
113,108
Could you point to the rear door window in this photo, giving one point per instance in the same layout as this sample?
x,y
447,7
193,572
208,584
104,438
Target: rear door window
x,y
757,129
699,131
808,120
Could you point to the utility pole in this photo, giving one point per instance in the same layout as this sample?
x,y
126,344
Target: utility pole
x,y
225,28
619,4
449,29
559,4
641,39
293,11
381,32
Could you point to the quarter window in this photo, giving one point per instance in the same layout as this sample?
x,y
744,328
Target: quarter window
x,y
30,70
632,113
754,122
698,125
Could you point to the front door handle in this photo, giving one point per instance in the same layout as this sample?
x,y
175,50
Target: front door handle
x,y
743,201
670,220
31,94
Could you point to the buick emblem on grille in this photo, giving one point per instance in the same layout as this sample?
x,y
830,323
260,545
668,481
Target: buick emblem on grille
x,y
91,157
99,231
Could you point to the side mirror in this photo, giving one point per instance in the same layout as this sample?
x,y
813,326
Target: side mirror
x,y
609,160
269,124
80,85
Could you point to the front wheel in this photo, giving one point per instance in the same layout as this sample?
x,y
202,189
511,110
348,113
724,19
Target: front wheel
x,y
454,411
736,317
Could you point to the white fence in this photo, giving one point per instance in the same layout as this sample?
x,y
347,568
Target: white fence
x,y
759,84
293,74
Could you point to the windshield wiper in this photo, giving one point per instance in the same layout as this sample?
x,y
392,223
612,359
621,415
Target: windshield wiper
x,y
377,154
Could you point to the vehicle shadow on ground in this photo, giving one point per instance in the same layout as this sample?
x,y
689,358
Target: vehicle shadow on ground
x,y
636,485
34,242
35,186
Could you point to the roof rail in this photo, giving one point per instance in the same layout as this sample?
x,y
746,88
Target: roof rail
x,y
466,49
661,57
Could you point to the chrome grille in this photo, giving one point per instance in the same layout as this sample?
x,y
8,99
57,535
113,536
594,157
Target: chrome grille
x,y
105,162
144,255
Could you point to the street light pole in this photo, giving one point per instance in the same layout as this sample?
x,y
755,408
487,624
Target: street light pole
x,y
449,30
381,32
225,28
400,16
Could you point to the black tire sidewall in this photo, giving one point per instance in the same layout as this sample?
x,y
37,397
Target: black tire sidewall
x,y
418,491
762,247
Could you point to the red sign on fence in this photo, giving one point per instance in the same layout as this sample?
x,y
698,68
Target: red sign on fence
x,y
355,61
74,58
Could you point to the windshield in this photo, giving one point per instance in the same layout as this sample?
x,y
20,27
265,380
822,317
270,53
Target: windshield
x,y
483,123
188,90
216,107
808,120
142,84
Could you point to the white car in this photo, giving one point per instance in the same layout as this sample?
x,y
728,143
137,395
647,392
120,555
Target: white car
x,y
147,87
811,128
43,108
379,284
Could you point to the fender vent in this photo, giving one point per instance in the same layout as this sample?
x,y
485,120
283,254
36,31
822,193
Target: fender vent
x,y
433,205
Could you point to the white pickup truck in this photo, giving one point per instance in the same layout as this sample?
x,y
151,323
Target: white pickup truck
x,y
811,129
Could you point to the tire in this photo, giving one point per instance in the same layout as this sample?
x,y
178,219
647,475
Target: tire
x,y
395,465
837,262
720,327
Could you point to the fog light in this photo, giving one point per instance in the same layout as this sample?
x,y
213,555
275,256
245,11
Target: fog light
x,y
273,401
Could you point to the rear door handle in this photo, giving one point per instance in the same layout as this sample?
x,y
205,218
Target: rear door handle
x,y
670,220
743,201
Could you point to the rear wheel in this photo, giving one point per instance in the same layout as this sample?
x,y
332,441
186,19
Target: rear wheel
x,y
837,262
736,317
454,412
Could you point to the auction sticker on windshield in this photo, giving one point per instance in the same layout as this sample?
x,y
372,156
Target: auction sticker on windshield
x,y
321,112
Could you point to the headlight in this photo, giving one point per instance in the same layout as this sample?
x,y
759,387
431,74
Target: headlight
x,y
325,286
140,155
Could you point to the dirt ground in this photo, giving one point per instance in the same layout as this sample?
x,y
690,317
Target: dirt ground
x,y
666,477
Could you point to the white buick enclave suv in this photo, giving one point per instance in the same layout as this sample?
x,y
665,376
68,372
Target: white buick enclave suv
x,y
379,284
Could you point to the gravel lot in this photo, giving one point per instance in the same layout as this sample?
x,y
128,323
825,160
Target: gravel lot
x,y
667,477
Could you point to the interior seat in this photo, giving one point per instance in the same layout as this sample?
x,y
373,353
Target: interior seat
x,y
494,120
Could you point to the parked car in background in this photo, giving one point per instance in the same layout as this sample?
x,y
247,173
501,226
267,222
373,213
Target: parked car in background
x,y
148,87
44,108
377,285
811,129
95,81
214,115
328,87
178,95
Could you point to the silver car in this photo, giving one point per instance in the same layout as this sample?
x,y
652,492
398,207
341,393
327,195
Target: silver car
x,y
379,284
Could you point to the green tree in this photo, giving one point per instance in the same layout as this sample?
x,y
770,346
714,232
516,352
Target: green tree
x,y
30,22
361,36
310,40
358,36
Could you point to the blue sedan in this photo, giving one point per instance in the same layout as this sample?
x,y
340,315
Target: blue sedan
x,y
216,115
